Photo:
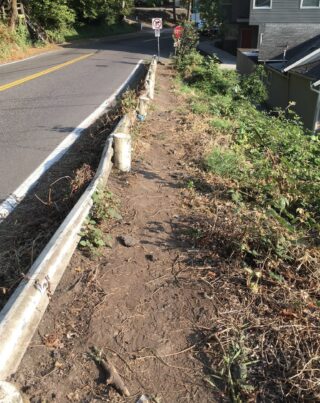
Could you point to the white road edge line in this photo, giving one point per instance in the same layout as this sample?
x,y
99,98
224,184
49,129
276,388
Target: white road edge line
x,y
19,194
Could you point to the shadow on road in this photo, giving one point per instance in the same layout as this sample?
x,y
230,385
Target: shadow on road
x,y
146,45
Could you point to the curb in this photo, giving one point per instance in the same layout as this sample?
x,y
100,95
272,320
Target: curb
x,y
23,312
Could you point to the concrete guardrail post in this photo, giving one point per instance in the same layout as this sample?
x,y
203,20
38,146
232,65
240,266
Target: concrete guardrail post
x,y
122,151
10,394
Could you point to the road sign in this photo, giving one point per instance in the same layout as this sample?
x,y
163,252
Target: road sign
x,y
156,23
178,31
157,33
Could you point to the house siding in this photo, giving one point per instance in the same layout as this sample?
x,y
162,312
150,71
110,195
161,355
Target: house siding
x,y
278,90
278,37
306,100
284,11
284,89
245,64
240,9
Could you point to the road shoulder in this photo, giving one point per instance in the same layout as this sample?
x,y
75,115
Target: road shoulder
x,y
137,301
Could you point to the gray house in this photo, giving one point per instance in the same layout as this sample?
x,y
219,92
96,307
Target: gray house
x,y
283,24
272,26
288,43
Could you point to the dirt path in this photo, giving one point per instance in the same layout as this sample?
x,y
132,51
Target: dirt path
x,y
137,303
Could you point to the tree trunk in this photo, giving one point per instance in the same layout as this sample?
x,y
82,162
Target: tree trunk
x,y
189,10
174,11
14,15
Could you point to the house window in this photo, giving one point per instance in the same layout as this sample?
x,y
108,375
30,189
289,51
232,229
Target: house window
x,y
310,3
262,4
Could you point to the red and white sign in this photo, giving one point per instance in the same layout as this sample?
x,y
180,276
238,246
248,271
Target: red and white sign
x,y
156,23
178,31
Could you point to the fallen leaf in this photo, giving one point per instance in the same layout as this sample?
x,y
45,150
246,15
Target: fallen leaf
x,y
288,313
52,341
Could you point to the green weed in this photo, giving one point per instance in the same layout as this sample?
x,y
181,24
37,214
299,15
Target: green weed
x,y
93,238
128,101
104,208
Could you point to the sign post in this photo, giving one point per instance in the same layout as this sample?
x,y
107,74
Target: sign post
x,y
157,26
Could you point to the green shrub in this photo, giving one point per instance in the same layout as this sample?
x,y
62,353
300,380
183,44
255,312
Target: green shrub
x,y
10,41
253,86
283,159
22,36
205,74
187,64
188,42
212,80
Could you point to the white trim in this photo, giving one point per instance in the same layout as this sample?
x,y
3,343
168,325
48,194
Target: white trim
x,y
309,7
19,194
304,60
316,83
263,7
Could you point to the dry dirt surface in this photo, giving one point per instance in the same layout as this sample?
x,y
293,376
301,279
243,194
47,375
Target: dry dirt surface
x,y
20,54
138,302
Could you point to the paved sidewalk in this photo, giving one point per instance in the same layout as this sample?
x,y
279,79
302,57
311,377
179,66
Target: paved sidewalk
x,y
228,61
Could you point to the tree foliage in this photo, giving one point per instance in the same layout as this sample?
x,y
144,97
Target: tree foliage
x,y
210,11
189,40
58,17
110,11
52,14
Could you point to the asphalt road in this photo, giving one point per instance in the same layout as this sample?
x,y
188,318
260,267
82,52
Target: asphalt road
x,y
36,115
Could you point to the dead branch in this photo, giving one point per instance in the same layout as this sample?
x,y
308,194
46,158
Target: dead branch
x,y
113,377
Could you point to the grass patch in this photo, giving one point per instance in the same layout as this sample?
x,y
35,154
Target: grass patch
x,y
221,124
227,163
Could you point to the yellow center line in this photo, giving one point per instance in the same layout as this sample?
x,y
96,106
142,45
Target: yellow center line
x,y
43,72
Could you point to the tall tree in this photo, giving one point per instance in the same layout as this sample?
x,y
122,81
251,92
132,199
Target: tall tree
x,y
13,15
189,10
174,9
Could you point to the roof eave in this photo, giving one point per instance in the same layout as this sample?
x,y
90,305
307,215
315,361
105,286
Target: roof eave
x,y
302,61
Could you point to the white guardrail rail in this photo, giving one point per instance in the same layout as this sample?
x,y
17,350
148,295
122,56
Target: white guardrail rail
x,y
20,317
